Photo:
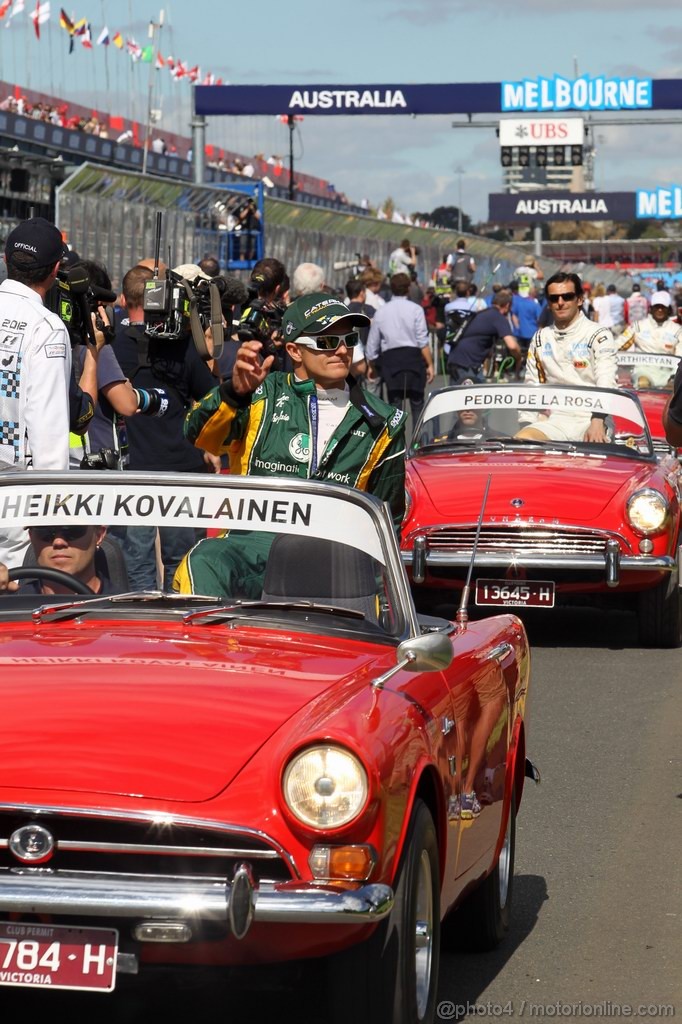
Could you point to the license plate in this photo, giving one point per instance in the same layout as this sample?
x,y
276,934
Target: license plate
x,y
53,956
525,594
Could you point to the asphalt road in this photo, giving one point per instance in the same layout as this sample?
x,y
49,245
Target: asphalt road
x,y
598,886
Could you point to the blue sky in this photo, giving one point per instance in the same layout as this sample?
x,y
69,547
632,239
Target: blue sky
x,y
373,41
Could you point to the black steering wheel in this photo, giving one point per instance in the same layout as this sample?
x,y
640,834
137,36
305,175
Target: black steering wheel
x,y
37,572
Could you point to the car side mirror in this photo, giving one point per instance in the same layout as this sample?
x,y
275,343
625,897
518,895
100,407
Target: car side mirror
x,y
429,653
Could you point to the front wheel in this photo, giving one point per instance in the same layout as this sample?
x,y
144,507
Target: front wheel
x,y
659,614
392,978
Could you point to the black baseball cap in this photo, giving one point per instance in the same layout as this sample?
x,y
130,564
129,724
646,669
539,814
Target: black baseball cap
x,y
310,314
35,243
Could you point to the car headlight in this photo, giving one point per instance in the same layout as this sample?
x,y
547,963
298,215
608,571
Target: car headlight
x,y
325,787
647,511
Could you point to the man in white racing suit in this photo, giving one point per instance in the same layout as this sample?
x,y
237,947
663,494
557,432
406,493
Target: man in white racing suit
x,y
574,350
35,363
657,332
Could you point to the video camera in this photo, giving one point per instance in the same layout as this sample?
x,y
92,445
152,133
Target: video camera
x,y
173,305
73,298
355,266
456,322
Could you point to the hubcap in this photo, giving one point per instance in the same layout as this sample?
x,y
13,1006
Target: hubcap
x,y
423,937
504,863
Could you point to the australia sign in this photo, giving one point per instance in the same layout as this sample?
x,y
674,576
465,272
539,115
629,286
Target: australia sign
x,y
532,95
534,207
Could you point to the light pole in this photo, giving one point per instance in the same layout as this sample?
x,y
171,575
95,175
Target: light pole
x,y
153,25
459,171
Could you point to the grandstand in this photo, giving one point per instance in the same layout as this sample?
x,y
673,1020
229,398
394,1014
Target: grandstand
x,y
49,128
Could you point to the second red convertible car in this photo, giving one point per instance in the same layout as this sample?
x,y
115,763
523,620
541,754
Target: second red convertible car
x,y
220,779
650,375
563,519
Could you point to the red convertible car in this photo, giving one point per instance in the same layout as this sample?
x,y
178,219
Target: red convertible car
x,y
650,375
564,521
215,780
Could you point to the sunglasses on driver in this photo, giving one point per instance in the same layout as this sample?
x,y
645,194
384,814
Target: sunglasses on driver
x,y
328,342
48,533
566,296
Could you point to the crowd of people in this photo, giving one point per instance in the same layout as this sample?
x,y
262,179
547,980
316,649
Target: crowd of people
x,y
344,366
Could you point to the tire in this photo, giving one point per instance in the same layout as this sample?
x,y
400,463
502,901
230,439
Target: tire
x,y
392,978
659,613
482,921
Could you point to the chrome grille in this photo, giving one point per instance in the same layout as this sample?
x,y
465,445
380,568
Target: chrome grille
x,y
516,540
168,849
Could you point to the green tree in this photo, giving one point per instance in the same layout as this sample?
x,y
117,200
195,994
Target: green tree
x,y
446,217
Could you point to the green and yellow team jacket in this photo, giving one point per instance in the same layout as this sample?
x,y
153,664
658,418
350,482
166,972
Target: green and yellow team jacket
x,y
269,433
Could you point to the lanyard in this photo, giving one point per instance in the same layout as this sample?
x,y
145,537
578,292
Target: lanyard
x,y
313,411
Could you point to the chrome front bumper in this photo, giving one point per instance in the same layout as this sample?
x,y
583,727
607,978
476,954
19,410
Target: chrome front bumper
x,y
236,903
584,563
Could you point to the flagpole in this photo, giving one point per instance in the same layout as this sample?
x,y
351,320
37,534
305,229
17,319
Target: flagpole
x,y
28,59
106,54
150,97
49,34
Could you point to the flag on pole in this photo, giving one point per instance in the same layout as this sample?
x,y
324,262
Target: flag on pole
x,y
103,37
134,49
16,8
40,16
80,26
117,40
65,21
86,37
160,62
4,7
147,54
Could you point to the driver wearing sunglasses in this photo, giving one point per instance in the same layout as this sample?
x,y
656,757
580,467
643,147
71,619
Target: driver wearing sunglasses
x,y
315,422
573,350
69,549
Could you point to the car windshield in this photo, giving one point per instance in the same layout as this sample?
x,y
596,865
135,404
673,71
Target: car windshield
x,y
646,371
512,416
257,547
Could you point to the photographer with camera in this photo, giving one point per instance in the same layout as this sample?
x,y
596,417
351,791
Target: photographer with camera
x,y
173,366
315,423
261,314
246,228
100,446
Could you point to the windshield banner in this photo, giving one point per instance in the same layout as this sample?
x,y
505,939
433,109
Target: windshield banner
x,y
314,515
540,399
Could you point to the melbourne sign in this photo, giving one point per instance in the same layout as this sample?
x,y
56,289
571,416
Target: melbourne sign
x,y
584,93
529,207
660,203
532,95
542,131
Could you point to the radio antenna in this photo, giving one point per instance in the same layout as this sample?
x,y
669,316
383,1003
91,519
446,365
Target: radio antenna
x,y
462,616
157,245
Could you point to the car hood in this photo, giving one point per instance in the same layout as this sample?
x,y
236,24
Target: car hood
x,y
562,487
169,715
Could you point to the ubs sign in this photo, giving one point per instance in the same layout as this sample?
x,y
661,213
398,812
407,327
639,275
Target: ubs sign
x,y
542,131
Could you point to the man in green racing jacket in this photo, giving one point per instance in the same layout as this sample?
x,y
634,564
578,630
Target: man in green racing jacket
x,y
315,423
